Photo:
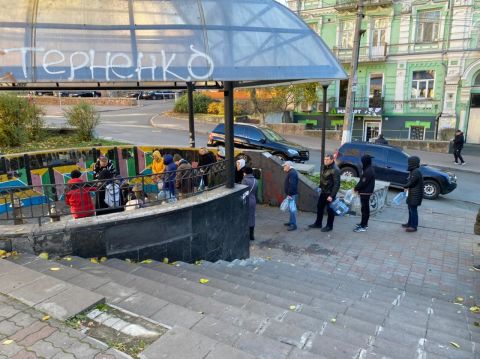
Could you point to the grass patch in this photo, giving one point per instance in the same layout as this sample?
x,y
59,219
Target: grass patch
x,y
58,139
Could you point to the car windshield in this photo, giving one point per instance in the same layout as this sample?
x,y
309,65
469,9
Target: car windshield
x,y
272,135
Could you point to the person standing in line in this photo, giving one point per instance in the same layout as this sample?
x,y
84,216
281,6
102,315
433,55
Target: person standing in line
x,y
414,187
206,158
476,230
239,166
184,181
169,177
78,196
250,181
158,167
329,186
103,163
458,142
291,190
364,189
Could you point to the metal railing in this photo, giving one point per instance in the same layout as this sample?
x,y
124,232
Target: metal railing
x,y
366,53
85,199
352,4
359,102
413,105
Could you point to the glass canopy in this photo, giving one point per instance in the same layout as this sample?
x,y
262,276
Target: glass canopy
x,y
133,43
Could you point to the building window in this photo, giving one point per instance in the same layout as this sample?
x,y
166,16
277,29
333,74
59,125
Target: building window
x,y
417,133
423,84
346,34
477,80
428,25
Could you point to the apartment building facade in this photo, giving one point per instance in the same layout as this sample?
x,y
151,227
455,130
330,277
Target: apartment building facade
x,y
419,65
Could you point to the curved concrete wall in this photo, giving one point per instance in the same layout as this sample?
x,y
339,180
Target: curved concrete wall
x,y
210,226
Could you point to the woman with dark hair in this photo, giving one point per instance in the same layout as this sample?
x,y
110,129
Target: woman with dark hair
x,y
250,181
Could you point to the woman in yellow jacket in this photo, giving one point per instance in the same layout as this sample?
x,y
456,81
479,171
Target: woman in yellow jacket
x,y
158,167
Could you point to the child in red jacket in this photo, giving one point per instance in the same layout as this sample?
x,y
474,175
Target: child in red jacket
x,y
78,196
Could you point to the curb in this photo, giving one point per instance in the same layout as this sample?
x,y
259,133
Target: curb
x,y
454,169
153,124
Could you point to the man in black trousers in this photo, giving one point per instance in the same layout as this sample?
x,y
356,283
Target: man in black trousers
x,y
364,189
329,186
458,142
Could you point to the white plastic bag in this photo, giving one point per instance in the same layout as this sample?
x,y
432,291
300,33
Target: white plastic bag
x,y
349,195
284,205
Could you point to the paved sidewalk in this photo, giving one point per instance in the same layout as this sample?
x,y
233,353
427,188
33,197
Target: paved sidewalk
x,y
24,335
435,261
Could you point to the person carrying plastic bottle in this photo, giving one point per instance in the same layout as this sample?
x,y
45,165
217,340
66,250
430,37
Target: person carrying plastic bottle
x,y
329,186
365,188
291,190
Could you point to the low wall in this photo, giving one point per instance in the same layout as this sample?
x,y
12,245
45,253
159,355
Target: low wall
x,y
96,101
298,129
422,145
210,226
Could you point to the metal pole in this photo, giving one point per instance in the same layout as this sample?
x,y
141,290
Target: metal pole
x,y
324,125
191,122
229,145
352,81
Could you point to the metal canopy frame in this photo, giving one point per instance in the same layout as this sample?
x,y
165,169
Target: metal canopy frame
x,y
159,44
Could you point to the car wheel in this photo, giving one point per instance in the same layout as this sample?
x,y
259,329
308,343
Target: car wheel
x,y
431,189
349,172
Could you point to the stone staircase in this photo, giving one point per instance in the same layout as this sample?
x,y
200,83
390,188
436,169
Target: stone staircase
x,y
262,309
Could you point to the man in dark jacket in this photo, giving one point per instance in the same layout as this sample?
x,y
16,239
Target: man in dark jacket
x,y
458,142
251,183
291,190
414,187
169,177
206,158
381,140
103,163
184,182
365,188
329,186
476,230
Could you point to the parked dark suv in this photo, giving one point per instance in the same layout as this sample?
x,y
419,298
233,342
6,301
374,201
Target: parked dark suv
x,y
390,165
260,138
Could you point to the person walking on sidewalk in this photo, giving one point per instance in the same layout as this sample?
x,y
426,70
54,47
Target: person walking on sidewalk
x,y
329,186
414,187
250,181
365,188
476,230
458,142
291,190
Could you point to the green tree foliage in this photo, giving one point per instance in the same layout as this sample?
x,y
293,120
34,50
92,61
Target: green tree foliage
x,y
84,117
200,103
20,121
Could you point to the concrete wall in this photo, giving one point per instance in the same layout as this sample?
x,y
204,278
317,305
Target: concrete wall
x,y
211,226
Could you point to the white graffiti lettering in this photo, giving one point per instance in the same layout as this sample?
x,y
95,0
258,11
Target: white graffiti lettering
x,y
116,65
47,64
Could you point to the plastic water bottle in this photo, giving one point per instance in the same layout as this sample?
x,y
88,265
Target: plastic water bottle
x,y
339,207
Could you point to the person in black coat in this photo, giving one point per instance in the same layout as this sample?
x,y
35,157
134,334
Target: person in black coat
x,y
329,186
414,187
291,190
365,188
250,181
458,142
381,140
206,158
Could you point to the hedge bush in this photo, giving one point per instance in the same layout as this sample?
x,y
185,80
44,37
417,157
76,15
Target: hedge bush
x,y
84,117
200,103
20,121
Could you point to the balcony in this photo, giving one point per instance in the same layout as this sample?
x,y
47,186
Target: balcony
x,y
423,106
366,53
351,5
363,106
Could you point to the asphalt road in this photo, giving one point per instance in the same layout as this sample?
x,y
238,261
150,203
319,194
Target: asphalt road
x,y
133,125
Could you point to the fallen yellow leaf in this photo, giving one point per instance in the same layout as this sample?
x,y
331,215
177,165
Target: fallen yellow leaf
x,y
269,258
293,307
54,269
146,261
477,324
103,259
128,260
333,320
2,252
204,281
459,299
45,318
43,255
455,345
68,259
165,260
197,263
475,309
94,260
7,342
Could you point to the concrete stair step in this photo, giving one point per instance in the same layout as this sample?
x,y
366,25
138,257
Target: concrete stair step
x,y
180,343
55,297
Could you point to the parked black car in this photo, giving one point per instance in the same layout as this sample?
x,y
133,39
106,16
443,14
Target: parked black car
x,y
86,94
157,95
260,138
390,164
